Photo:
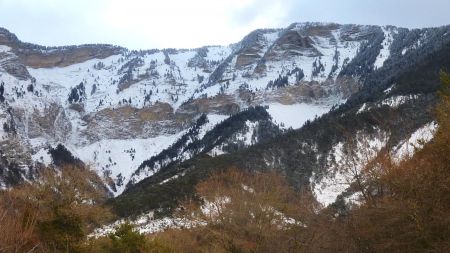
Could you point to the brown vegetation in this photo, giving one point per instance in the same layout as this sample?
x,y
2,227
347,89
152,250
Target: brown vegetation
x,y
243,212
404,207
52,214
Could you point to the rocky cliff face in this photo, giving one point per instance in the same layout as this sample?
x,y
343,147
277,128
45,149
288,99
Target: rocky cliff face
x,y
114,108
36,56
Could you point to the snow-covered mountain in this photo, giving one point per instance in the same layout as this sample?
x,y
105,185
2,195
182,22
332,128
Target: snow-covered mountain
x,y
114,108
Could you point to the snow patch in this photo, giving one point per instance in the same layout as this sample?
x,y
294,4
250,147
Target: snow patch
x,y
294,116
118,159
396,101
213,120
42,156
385,51
172,178
417,140
388,90
4,49
146,224
247,137
363,108
344,169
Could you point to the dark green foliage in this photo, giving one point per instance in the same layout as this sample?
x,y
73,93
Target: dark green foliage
x,y
126,78
10,172
99,65
77,94
362,64
94,88
280,82
299,74
221,134
30,87
149,194
131,65
317,68
2,91
126,239
416,72
127,69
335,66
62,156
217,75
283,80
172,152
62,233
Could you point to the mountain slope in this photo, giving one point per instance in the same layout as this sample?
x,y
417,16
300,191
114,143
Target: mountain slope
x,y
394,106
207,136
114,108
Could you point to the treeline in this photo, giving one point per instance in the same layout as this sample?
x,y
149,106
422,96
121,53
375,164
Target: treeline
x,y
221,135
415,72
401,207
297,153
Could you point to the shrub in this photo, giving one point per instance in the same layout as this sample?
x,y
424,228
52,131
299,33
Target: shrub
x,y
126,239
54,213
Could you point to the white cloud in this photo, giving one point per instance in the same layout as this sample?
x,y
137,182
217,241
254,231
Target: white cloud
x,y
142,24
138,24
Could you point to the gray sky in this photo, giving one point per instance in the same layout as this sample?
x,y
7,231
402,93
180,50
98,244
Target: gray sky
x,y
145,24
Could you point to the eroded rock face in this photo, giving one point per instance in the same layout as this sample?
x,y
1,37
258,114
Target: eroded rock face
x,y
50,122
16,69
304,92
128,122
254,46
15,160
66,56
292,43
7,38
10,63
252,49
48,57
248,56
347,85
298,41
356,33
221,104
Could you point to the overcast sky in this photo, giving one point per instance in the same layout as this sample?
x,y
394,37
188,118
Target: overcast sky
x,y
145,24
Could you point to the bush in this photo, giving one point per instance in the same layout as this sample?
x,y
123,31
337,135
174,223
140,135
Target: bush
x,y
126,239
242,212
54,213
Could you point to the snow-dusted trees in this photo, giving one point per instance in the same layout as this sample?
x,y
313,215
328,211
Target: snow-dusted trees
x,y
77,94
317,68
2,91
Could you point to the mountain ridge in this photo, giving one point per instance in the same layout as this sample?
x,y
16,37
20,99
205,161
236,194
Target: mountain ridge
x,y
115,108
